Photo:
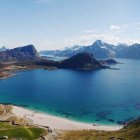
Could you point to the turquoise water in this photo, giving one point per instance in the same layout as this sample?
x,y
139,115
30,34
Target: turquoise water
x,y
102,96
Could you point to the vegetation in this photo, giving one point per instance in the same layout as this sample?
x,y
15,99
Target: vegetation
x,y
130,132
22,132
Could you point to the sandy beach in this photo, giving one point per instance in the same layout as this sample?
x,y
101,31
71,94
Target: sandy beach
x,y
54,122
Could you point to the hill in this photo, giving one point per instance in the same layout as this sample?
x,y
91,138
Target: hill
x,y
83,61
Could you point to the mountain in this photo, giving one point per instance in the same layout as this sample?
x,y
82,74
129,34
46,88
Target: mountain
x,y
28,56
3,49
19,54
82,61
132,51
101,50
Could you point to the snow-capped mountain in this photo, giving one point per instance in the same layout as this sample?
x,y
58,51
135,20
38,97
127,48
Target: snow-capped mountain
x,y
101,49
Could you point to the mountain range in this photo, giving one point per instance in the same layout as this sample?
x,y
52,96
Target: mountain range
x,y
100,50
28,56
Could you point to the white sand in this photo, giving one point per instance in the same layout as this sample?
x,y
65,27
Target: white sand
x,y
57,122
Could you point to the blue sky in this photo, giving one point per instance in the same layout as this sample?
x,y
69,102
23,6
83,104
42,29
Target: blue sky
x,y
54,24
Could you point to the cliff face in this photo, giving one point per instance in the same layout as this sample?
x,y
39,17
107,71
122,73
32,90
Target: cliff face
x,y
19,54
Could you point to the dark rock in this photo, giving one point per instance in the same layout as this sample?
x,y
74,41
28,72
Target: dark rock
x,y
103,114
97,120
137,106
121,122
19,54
111,120
81,61
109,62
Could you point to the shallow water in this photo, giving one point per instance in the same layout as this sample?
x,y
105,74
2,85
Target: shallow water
x,y
102,96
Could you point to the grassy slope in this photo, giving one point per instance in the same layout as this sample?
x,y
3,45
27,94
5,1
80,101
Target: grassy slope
x,y
131,132
24,132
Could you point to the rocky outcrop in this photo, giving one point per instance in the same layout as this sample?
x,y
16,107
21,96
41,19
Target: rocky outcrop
x,y
108,62
19,54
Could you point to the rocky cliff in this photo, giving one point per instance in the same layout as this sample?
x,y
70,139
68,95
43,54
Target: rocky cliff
x,y
19,54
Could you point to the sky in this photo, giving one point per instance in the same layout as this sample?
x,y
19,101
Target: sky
x,y
55,24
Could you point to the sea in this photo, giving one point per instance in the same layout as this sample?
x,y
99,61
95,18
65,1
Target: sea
x,y
104,96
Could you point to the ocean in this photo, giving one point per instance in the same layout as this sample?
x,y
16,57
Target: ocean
x,y
102,96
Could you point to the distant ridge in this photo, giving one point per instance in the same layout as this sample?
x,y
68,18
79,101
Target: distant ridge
x,y
100,50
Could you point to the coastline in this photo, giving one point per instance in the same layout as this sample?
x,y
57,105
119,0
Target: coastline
x,y
5,77
55,122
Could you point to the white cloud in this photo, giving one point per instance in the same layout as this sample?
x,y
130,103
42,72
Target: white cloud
x,y
115,27
137,26
116,34
108,38
89,39
136,23
130,41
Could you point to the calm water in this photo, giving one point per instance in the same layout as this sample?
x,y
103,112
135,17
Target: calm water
x,y
102,96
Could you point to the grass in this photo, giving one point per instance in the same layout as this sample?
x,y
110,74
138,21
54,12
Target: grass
x,y
130,132
23,132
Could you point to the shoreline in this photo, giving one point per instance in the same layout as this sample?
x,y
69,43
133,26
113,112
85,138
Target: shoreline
x,y
10,74
55,122
6,77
